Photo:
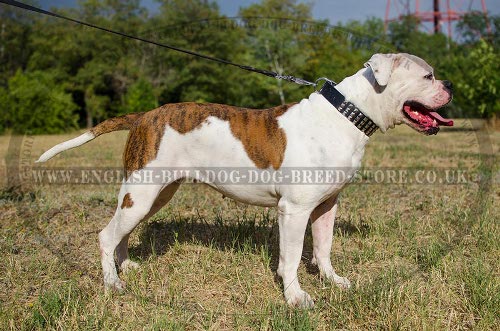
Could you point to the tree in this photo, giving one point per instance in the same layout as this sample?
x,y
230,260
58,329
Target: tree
x,y
273,45
480,84
475,26
406,37
94,66
343,49
105,75
15,48
4,108
140,97
37,104
192,25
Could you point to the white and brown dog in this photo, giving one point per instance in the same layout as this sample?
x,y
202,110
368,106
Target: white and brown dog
x,y
391,89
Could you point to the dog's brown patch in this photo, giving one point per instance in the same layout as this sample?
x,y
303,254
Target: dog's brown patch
x,y
124,122
264,141
127,201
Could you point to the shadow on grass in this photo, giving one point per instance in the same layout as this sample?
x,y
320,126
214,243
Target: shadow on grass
x,y
254,234
349,229
156,237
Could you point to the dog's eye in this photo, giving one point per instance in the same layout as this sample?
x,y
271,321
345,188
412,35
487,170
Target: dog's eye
x,y
429,76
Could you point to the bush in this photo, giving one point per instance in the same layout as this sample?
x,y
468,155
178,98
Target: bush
x,y
37,104
140,97
4,99
481,83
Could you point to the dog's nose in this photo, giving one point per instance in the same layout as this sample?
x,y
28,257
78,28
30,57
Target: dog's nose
x,y
448,85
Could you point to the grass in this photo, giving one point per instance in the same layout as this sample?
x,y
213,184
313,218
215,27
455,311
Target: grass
x,y
418,256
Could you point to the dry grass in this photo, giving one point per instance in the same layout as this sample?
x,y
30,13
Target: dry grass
x,y
419,256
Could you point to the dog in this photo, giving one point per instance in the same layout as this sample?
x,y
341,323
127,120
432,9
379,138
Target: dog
x,y
329,129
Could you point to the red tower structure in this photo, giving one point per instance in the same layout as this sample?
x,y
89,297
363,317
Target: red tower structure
x,y
438,14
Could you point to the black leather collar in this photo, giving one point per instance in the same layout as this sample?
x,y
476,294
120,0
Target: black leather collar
x,y
348,109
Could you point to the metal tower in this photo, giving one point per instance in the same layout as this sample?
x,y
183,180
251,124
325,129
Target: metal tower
x,y
438,14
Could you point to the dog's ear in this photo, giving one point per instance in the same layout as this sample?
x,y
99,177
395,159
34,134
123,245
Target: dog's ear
x,y
381,65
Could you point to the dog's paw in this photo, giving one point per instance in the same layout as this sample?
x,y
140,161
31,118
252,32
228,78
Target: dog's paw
x,y
314,261
117,285
342,282
301,300
128,266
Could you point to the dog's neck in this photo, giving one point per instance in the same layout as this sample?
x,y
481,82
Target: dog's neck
x,y
348,109
377,107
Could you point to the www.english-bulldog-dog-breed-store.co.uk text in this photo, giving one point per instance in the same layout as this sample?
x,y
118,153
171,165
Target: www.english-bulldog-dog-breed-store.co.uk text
x,y
329,129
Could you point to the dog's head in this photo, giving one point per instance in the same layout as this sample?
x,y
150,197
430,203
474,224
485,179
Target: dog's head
x,y
413,92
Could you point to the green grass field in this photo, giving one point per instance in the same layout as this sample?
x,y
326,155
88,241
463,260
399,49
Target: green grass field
x,y
418,256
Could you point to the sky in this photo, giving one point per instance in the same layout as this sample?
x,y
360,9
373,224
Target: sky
x,y
335,11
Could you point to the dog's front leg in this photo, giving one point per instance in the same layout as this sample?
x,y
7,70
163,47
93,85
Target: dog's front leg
x,y
292,225
323,218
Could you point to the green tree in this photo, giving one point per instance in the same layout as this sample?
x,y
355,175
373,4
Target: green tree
x,y
343,50
37,104
475,25
192,25
15,47
140,97
105,75
275,46
96,67
478,89
4,107
406,37
93,80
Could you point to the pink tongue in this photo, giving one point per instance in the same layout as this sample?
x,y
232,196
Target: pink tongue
x,y
440,119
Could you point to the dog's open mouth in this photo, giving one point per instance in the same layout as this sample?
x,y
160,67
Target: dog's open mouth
x,y
424,119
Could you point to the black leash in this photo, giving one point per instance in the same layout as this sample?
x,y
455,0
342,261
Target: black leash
x,y
268,73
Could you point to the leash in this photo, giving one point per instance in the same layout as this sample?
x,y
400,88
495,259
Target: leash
x,y
268,73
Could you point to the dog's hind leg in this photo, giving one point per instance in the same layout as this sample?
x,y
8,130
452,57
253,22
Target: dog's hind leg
x,y
323,218
136,202
122,257
121,250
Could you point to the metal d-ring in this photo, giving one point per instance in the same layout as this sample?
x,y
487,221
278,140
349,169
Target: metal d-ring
x,y
316,83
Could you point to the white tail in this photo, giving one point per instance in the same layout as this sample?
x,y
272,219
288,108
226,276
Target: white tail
x,y
75,142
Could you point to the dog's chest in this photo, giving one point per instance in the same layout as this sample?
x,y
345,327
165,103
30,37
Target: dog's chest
x,y
319,141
